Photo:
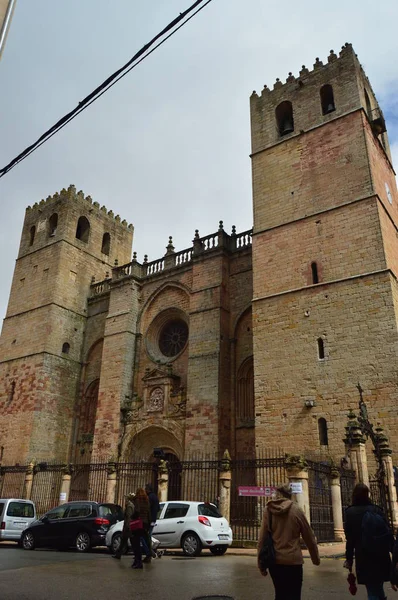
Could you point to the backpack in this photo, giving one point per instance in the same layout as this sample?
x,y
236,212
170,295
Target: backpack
x,y
376,535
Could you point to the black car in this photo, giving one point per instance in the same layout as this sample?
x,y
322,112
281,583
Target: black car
x,y
82,525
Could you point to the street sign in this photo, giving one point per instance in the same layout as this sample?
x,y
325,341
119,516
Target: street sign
x,y
252,490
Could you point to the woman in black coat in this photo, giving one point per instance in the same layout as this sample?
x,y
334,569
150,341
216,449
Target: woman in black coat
x,y
372,568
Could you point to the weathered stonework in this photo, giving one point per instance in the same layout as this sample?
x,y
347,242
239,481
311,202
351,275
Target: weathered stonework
x,y
221,345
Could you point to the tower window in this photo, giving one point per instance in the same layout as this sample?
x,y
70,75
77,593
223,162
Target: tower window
x,y
284,118
327,99
323,432
32,234
65,348
106,244
321,349
83,229
52,225
368,104
314,271
11,392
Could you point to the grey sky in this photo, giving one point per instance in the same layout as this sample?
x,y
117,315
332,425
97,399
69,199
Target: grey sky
x,y
168,147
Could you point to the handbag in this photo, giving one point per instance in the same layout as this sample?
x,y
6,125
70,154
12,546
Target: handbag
x,y
266,556
136,524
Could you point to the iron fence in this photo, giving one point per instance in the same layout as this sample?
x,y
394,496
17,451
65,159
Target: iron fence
x,y
194,480
46,487
320,496
347,483
131,476
380,495
246,511
12,481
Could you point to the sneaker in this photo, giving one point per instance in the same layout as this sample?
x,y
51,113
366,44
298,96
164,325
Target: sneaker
x,y
147,559
137,566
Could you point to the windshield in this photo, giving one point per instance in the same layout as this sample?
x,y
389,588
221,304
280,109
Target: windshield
x,y
209,510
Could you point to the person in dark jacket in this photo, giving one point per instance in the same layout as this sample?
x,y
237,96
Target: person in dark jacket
x,y
126,534
142,512
153,509
372,568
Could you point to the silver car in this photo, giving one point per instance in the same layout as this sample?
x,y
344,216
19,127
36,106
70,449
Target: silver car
x,y
15,516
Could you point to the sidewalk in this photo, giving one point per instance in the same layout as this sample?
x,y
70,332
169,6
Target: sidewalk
x,y
331,550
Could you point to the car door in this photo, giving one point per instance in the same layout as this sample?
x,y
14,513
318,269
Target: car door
x,y
54,523
78,518
19,514
170,526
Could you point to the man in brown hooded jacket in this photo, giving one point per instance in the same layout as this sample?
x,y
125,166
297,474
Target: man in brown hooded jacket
x,y
288,524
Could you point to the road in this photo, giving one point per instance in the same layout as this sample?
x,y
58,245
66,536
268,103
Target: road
x,y
53,575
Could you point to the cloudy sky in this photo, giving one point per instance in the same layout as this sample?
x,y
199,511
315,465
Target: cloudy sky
x,y
168,147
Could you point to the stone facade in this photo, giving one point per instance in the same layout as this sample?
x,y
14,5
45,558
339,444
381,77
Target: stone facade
x,y
232,343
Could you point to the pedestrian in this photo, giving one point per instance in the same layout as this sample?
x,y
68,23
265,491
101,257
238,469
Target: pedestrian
x,y
369,542
126,534
142,512
286,522
153,510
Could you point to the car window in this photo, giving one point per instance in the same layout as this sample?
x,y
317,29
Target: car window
x,y
79,510
20,509
160,510
1,508
114,510
174,510
58,513
208,510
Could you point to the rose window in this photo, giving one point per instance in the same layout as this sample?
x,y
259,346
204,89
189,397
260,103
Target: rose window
x,y
173,337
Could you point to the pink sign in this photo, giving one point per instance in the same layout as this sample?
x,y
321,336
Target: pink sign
x,y
252,490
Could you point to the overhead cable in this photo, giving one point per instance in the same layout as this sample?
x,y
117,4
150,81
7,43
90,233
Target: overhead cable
x,y
141,55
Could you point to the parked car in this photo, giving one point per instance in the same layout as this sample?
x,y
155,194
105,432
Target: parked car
x,y
191,526
15,516
82,525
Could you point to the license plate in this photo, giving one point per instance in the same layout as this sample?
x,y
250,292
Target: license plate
x,y
20,525
223,537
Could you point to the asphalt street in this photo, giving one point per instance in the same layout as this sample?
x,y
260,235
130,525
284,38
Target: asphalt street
x,y
54,575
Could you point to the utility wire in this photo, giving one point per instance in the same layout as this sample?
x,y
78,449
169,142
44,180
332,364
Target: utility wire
x,y
142,54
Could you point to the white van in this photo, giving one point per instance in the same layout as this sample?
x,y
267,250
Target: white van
x,y
15,516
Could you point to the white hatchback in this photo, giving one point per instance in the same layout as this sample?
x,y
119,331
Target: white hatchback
x,y
191,526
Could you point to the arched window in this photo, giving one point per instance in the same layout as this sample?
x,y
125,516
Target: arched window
x,y
323,432
321,349
368,104
52,225
314,271
284,117
89,408
245,393
327,99
106,244
65,348
32,234
83,229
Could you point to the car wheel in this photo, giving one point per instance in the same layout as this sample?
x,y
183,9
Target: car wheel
x,y
191,545
116,541
28,541
83,542
218,550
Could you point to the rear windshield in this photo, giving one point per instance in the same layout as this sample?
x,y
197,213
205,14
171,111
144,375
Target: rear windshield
x,y
20,509
1,508
105,510
208,510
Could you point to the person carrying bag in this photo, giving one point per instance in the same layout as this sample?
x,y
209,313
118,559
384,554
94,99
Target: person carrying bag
x,y
279,550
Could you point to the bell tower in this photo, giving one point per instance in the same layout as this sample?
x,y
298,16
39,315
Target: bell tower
x,y
67,240
325,250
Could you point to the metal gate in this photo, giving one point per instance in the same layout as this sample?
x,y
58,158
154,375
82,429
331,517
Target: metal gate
x,y
131,476
320,495
380,494
46,487
347,483
12,481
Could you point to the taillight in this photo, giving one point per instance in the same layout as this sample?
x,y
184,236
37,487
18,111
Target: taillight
x,y
3,525
204,521
100,521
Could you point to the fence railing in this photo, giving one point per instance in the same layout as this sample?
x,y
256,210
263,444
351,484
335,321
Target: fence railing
x,y
201,479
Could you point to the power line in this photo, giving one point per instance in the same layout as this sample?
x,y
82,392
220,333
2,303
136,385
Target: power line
x,y
141,55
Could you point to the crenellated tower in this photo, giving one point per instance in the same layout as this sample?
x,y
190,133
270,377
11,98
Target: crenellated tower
x,y
67,242
325,250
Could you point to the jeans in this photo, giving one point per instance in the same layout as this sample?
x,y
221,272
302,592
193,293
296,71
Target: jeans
x,y
375,591
287,580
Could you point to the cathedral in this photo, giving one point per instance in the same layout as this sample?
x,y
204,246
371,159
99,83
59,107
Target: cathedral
x,y
245,340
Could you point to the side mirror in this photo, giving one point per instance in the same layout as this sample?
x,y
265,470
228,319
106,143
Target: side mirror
x,y
44,519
